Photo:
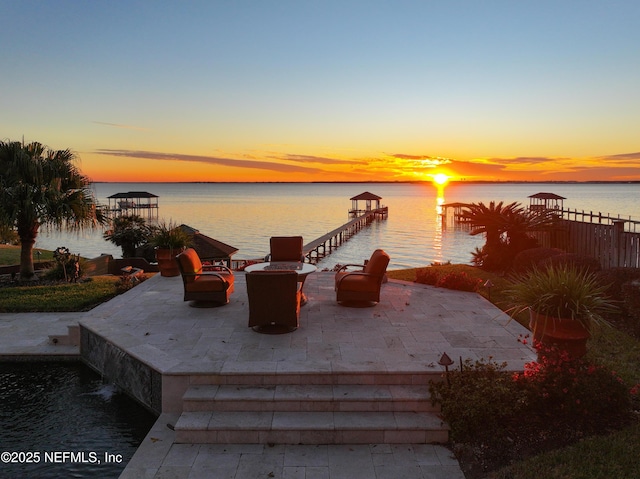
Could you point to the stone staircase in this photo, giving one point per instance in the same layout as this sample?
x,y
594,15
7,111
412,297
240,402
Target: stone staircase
x,y
318,409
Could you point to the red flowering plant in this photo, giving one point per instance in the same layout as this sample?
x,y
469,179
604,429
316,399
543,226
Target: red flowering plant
x,y
459,281
498,416
427,276
573,392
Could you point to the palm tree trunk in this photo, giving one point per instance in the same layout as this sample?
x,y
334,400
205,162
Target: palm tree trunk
x,y
26,258
27,232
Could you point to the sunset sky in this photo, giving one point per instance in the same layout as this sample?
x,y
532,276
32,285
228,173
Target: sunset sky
x,y
296,90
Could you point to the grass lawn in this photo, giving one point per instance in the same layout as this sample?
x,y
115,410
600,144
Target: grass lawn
x,y
55,297
10,255
80,296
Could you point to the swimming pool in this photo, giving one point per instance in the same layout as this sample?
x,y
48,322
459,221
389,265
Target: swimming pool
x,y
61,420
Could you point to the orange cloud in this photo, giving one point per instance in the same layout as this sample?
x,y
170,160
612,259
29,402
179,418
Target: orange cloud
x,y
385,167
211,160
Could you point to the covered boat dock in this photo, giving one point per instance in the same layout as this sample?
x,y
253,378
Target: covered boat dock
x,y
140,203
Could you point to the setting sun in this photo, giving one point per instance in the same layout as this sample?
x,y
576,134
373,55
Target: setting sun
x,y
440,179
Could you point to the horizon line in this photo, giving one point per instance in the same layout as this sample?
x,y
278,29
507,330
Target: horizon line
x,y
388,182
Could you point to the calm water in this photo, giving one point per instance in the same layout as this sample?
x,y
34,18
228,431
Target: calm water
x,y
61,407
245,215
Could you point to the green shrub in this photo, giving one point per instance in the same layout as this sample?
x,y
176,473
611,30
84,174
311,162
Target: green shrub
x,y
631,304
68,267
128,281
631,295
459,281
616,278
481,393
581,262
128,232
492,258
532,257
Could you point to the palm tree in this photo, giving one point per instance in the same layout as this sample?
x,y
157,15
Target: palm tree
x,y
519,226
129,232
492,220
40,186
506,229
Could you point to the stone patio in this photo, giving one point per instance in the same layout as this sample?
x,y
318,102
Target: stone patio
x,y
357,370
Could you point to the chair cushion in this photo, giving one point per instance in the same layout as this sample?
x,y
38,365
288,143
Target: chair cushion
x,y
357,282
285,248
204,283
377,263
190,263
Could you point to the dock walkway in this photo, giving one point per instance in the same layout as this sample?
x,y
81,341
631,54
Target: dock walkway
x,y
321,247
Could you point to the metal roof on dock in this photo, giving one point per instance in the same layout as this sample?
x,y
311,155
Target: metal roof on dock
x,y
547,196
366,196
133,194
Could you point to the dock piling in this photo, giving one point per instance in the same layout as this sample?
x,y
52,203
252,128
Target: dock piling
x,y
320,248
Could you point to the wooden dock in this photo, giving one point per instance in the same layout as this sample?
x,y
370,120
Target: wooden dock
x,y
320,248
138,203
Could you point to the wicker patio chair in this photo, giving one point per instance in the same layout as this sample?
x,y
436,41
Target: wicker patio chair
x,y
274,301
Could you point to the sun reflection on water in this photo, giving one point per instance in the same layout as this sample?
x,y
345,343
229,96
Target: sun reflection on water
x,y
437,237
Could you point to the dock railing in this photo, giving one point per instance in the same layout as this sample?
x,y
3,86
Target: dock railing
x,y
630,225
324,246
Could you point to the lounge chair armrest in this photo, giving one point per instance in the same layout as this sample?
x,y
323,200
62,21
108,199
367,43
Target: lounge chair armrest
x,y
212,273
204,273
345,266
216,267
348,274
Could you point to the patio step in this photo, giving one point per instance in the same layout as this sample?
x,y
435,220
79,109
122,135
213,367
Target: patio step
x,y
309,414
265,427
320,378
319,398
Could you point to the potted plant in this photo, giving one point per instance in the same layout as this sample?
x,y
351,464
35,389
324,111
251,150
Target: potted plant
x,y
564,304
169,240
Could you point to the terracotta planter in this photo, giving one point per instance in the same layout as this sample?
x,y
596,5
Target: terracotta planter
x,y
167,263
566,334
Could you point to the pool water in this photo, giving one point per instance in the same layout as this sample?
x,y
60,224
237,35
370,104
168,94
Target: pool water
x,y
61,420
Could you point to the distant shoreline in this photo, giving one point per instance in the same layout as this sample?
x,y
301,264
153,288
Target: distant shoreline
x,y
470,182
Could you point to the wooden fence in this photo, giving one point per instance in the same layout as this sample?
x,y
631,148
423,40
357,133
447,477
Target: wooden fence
x,y
615,242
630,225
